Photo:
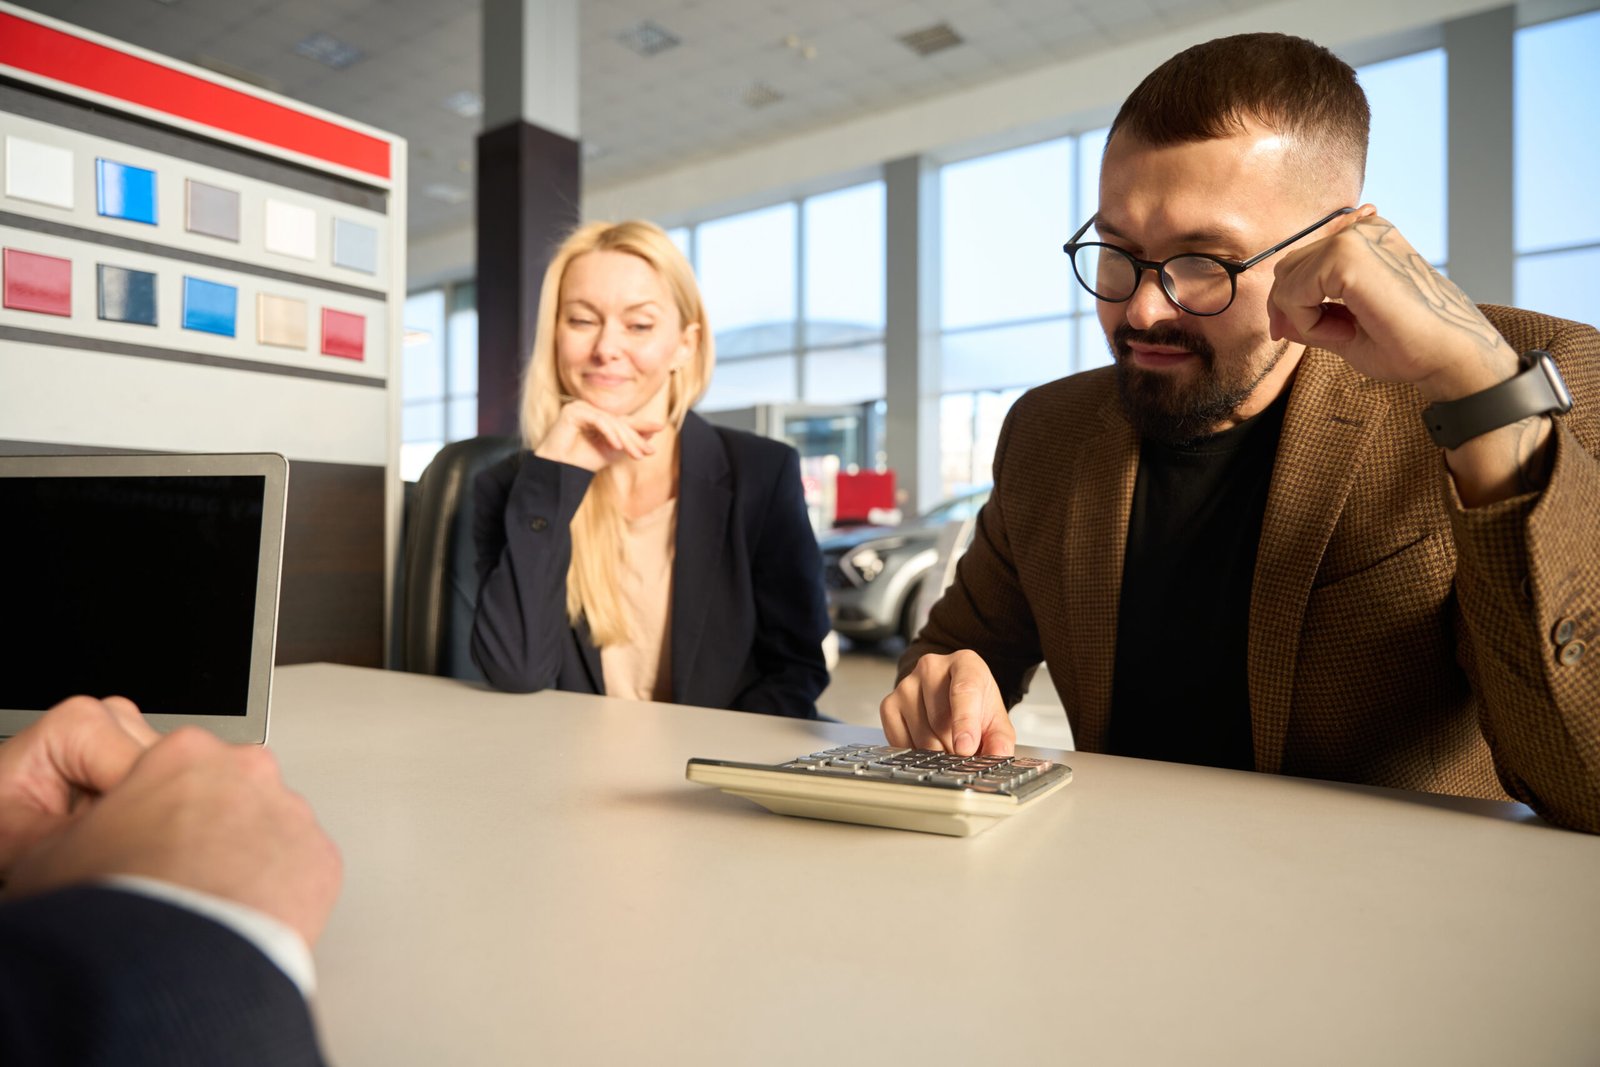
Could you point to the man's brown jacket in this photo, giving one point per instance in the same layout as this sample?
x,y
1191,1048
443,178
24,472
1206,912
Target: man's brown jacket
x,y
1395,639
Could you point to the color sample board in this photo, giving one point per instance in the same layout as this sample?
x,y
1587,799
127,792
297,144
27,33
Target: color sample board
x,y
189,263
132,236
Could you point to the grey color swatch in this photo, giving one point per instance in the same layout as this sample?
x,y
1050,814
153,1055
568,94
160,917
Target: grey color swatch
x,y
212,211
127,295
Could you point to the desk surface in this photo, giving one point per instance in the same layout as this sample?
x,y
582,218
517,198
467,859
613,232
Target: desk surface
x,y
531,879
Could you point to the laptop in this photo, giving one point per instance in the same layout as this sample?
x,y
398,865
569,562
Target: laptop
x,y
153,577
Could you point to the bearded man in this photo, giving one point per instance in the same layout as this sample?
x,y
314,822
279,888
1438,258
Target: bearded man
x,y
1323,516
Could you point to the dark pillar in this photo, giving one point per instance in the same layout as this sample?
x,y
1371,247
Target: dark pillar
x,y
528,197
528,184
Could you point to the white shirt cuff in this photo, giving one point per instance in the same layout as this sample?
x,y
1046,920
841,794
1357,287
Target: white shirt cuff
x,y
277,941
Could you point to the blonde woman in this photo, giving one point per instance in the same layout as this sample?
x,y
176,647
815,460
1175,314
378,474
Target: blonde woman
x,y
632,548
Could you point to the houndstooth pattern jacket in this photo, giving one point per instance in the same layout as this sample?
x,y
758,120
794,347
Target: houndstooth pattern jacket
x,y
1395,638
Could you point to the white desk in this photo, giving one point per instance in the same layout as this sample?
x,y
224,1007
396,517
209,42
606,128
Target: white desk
x,y
531,880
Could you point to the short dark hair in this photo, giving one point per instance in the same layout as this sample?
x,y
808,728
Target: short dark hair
x,y
1288,84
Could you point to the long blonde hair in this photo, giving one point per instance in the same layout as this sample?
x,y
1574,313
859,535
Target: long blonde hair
x,y
593,593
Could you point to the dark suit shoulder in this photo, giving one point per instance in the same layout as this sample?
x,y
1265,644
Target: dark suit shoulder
x,y
749,455
753,448
96,975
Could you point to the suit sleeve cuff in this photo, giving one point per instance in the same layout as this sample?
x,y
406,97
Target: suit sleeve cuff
x,y
276,940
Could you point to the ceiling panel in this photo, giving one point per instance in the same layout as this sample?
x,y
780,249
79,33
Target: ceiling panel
x,y
637,114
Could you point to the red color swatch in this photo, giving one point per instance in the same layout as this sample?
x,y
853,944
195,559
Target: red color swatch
x,y
38,283
344,334
52,53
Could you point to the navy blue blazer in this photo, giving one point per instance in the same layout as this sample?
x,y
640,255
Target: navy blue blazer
x,y
93,975
748,613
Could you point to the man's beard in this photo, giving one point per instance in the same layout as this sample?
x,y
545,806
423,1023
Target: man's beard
x,y
1163,407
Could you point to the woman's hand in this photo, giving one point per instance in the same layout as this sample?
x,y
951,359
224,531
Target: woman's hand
x,y
584,436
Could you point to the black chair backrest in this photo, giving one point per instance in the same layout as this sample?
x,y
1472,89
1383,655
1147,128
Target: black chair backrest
x,y
438,590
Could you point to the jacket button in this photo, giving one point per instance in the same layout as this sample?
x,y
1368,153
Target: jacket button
x,y
1565,630
539,525
1571,652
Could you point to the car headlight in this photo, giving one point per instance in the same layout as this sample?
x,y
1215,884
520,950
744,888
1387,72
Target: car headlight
x,y
866,563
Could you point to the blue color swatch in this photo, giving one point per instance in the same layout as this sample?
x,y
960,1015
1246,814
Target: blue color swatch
x,y
210,306
127,295
125,192
355,246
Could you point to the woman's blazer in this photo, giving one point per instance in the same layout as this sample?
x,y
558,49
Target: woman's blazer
x,y
748,612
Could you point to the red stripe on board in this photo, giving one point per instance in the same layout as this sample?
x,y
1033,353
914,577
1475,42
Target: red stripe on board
x,y
51,53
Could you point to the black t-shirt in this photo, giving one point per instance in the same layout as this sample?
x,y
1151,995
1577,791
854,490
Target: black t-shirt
x,y
1180,691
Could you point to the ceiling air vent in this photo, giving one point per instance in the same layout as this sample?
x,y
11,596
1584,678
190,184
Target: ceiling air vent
x,y
931,39
648,39
328,50
760,95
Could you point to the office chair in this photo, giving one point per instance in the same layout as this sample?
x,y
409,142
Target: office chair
x,y
437,589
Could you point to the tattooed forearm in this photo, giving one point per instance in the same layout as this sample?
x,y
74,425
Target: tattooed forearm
x,y
1433,290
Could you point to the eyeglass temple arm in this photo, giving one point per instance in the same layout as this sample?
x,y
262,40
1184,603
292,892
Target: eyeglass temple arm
x,y
1067,248
1287,241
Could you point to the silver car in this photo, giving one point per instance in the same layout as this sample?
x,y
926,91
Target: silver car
x,y
874,574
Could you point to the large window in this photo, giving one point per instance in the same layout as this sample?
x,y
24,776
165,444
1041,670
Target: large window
x,y
1406,151
1557,160
747,270
795,294
1011,315
439,374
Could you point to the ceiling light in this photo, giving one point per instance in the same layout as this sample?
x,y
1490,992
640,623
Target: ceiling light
x,y
760,95
328,50
931,39
800,46
448,194
466,103
648,39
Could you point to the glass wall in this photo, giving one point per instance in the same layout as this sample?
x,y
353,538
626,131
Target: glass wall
x,y
1406,150
795,294
1557,160
438,374
1011,315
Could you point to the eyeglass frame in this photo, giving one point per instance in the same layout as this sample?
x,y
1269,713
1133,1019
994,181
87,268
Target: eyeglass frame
x,y
1233,267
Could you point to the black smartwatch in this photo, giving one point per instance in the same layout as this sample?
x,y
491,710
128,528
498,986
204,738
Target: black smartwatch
x,y
1537,390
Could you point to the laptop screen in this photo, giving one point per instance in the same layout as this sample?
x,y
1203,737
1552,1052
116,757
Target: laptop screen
x,y
143,577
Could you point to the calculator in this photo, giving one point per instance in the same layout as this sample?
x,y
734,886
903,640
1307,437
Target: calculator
x,y
881,785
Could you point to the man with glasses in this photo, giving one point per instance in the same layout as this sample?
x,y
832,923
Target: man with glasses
x,y
1323,516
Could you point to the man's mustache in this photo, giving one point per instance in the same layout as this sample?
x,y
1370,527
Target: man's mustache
x,y
1165,336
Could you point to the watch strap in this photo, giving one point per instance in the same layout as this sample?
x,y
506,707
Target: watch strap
x,y
1537,390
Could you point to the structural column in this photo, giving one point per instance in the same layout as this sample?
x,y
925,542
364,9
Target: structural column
x,y
528,184
1480,146
911,337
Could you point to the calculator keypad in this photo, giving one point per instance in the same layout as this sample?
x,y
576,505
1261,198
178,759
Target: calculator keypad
x,y
982,774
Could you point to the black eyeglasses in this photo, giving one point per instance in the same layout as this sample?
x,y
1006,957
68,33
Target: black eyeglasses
x,y
1198,283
